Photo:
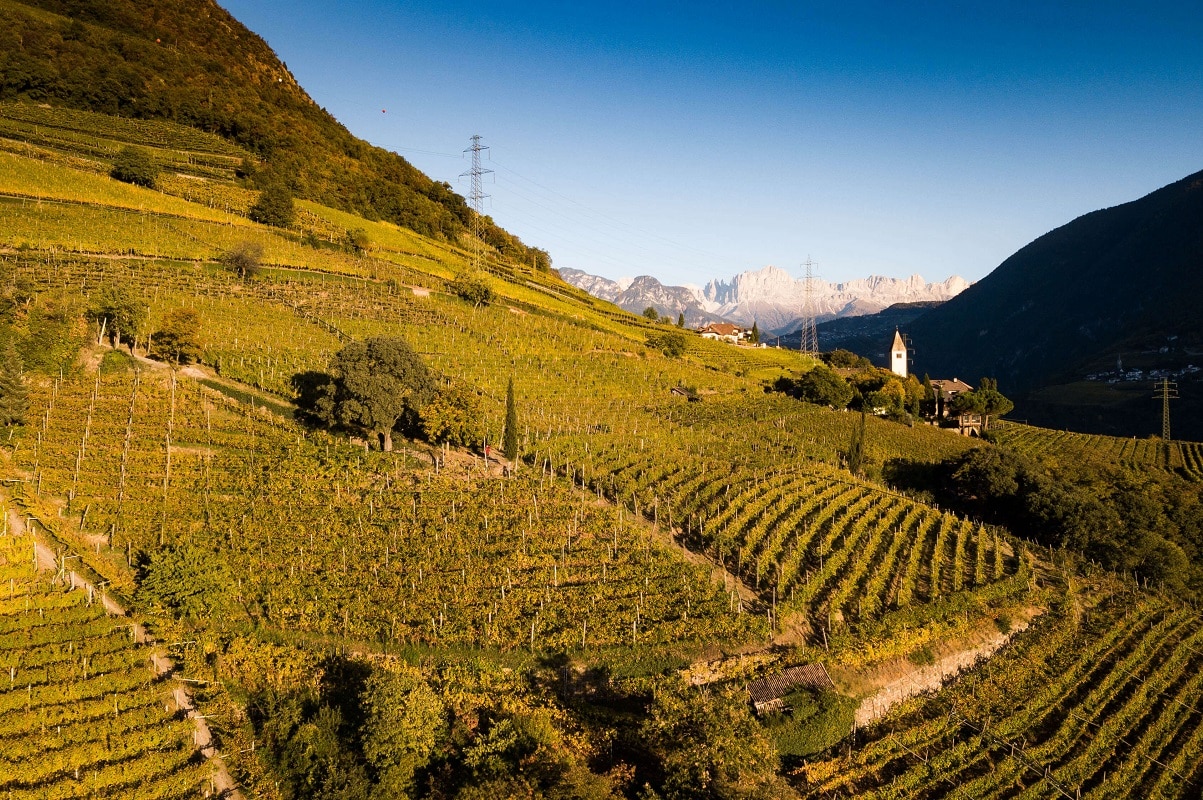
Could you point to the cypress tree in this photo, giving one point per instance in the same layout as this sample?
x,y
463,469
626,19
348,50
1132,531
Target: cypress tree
x,y
856,448
14,397
509,439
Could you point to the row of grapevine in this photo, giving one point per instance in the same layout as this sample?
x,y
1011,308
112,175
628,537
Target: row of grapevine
x,y
1111,709
82,713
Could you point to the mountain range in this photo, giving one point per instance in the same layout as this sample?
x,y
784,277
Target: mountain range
x,y
770,297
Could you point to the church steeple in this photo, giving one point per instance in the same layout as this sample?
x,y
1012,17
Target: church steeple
x,y
898,355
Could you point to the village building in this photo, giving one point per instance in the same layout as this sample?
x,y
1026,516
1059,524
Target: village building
x,y
969,424
725,332
898,355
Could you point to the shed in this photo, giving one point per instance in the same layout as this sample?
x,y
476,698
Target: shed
x,y
766,693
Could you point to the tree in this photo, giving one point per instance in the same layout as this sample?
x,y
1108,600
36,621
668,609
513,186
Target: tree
x,y
755,335
681,320
824,387
651,313
404,722
134,165
178,337
473,287
993,402
375,384
244,259
856,448
117,312
14,396
454,417
709,746
670,343
509,439
358,241
274,206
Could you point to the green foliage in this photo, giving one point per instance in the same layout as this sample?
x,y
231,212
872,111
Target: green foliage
x,y
681,320
186,581
856,448
14,396
274,207
754,338
845,359
178,337
404,724
245,259
358,241
708,746
509,440
119,313
473,287
671,343
375,384
135,165
454,416
53,330
821,386
813,723
651,313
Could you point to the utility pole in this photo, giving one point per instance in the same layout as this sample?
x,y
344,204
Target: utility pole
x,y
476,197
809,342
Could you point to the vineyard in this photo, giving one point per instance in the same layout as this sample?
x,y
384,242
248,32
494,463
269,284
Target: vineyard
x,y
404,557
1184,458
1110,709
82,713
663,513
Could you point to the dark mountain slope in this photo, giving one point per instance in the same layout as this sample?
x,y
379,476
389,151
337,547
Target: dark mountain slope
x,y
1120,279
190,61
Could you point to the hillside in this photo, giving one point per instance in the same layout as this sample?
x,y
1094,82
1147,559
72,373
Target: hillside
x,y
589,618
190,62
1120,282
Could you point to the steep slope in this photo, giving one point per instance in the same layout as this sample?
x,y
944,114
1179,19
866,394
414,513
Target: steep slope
x,y
190,61
1119,281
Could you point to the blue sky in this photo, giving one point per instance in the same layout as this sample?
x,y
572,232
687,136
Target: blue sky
x,y
697,140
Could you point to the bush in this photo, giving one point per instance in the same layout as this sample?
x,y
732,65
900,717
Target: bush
x,y
473,288
245,259
274,207
670,343
134,165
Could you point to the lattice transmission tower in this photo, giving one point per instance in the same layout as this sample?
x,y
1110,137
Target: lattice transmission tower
x,y
1166,392
809,332
476,198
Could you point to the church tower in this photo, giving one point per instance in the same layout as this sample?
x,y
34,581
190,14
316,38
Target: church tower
x,y
898,355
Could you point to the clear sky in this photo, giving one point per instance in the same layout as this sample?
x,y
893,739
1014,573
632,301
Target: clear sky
x,y
692,140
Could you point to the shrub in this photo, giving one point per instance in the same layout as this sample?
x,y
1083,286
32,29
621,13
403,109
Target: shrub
x,y
670,343
134,165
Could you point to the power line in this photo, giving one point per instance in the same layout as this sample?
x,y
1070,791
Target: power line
x,y
809,332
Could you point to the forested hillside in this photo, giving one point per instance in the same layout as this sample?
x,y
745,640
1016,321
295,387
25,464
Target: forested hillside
x,y
190,62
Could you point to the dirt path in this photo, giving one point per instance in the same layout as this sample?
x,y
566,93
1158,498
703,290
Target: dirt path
x,y
901,680
202,737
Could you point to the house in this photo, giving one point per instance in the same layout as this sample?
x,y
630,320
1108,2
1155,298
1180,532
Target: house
x,y
969,424
767,694
724,332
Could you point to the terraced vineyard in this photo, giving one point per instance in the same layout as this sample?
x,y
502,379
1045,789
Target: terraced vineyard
x,y
82,713
807,536
1185,458
404,556
1112,708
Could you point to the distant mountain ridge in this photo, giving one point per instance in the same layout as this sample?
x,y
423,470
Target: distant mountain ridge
x,y
770,297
